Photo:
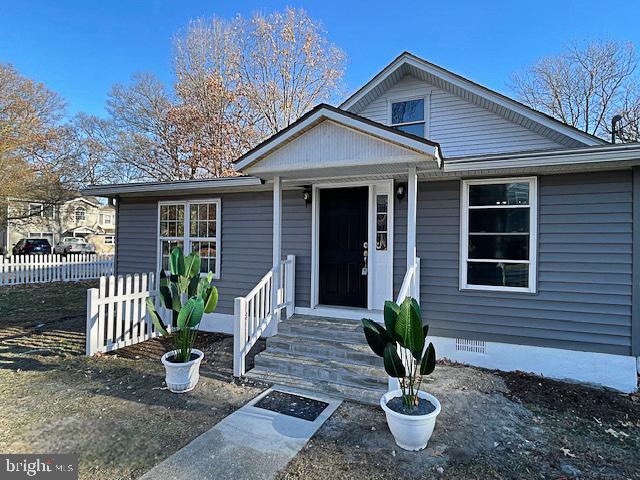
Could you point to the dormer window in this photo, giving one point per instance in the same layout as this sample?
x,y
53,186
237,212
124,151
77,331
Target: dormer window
x,y
408,116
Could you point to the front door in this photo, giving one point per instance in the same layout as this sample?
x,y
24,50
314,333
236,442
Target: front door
x,y
343,238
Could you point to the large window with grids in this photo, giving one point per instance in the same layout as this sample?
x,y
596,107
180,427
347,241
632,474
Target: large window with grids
x,y
194,226
498,234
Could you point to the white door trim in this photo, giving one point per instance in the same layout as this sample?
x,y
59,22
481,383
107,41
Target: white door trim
x,y
371,233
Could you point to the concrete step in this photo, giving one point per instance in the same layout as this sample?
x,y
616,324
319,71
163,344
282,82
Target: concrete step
x,y
366,395
322,349
325,355
346,373
323,330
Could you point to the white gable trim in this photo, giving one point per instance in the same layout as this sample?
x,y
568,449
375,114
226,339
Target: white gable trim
x,y
475,89
360,125
331,145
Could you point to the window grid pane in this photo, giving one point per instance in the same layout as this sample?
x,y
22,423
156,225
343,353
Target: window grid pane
x,y
408,111
167,246
171,220
382,221
498,235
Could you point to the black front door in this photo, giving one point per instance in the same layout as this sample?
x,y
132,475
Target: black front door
x,y
343,234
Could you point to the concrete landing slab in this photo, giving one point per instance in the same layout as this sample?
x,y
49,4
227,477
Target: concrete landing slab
x,y
251,443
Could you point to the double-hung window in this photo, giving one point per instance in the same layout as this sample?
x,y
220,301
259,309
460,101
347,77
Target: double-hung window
x,y
408,116
193,226
498,235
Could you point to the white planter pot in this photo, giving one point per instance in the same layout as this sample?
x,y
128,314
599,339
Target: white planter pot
x,y
411,432
182,377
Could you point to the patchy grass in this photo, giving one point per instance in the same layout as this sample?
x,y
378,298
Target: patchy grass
x,y
112,410
30,305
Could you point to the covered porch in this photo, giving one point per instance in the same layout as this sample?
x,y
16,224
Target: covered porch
x,y
344,222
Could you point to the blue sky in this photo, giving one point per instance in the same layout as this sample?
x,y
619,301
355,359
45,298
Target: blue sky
x,y
81,48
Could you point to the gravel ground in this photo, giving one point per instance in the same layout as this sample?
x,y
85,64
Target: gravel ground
x,y
112,410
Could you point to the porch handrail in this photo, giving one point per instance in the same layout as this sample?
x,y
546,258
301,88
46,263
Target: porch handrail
x,y
410,288
254,313
411,284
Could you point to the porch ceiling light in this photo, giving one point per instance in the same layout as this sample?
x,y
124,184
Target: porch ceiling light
x,y
401,188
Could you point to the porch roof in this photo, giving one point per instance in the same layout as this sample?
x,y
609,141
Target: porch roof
x,y
330,139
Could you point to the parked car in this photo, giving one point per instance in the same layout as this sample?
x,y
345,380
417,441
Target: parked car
x,y
74,245
31,246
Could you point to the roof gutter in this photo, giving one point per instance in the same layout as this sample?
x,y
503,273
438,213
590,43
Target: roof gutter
x,y
584,155
167,187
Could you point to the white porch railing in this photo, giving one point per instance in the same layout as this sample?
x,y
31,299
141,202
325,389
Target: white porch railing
x,y
410,288
254,314
25,269
117,312
411,284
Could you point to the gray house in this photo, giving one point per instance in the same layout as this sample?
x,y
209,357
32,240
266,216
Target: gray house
x,y
514,231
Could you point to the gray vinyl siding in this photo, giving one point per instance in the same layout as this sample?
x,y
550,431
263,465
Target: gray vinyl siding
x,y
584,268
399,244
246,243
296,240
460,126
136,235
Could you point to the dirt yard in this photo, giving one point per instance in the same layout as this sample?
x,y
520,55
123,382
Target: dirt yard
x,y
502,426
114,412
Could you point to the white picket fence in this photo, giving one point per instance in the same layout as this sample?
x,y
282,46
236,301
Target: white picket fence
x,y
25,269
117,312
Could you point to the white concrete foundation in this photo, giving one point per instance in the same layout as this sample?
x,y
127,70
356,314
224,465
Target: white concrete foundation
x,y
614,371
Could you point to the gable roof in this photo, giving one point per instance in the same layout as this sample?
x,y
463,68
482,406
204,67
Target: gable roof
x,y
409,64
324,112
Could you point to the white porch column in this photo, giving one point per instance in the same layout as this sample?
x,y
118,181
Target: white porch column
x,y
277,251
412,207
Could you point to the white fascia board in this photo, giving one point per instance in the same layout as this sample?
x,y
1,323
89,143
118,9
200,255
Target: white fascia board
x,y
476,90
605,154
163,187
355,124
371,84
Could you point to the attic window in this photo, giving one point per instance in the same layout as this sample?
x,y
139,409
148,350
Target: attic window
x,y
408,116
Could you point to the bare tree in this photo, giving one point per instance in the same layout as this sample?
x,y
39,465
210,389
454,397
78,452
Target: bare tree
x,y
289,67
36,161
146,138
584,86
237,82
216,123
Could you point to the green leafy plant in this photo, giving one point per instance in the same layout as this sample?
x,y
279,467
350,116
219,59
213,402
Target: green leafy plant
x,y
189,296
403,328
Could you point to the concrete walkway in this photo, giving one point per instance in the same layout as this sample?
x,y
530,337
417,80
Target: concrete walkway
x,y
251,443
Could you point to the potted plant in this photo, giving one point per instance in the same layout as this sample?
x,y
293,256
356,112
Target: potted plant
x,y
411,413
189,296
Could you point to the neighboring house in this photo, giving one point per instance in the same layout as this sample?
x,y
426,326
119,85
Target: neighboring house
x,y
83,217
527,230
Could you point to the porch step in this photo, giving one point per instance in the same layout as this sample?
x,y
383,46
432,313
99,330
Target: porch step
x,y
367,396
325,355
356,353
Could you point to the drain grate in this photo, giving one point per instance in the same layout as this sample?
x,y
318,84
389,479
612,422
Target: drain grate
x,y
292,405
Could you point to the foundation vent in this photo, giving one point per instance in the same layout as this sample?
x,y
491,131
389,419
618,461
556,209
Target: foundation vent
x,y
471,346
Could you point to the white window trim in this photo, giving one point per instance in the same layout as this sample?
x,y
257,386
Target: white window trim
x,y
75,214
111,240
40,207
186,239
425,96
533,234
